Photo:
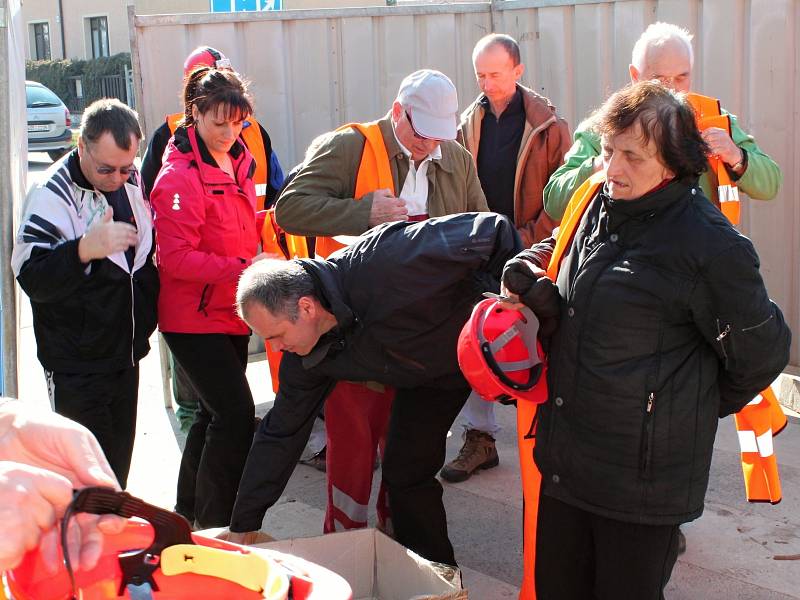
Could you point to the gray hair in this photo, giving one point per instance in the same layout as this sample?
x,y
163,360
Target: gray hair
x,y
656,35
505,41
277,285
109,114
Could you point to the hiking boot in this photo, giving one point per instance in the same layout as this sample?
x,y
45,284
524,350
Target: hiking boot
x,y
478,452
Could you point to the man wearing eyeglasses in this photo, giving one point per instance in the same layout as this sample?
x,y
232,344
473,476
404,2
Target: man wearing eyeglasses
x,y
405,166
83,254
431,175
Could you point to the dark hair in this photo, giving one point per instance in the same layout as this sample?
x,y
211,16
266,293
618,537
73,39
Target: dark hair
x,y
508,43
110,115
207,88
277,285
664,116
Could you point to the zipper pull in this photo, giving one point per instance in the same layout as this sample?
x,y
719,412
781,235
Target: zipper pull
x,y
724,332
651,400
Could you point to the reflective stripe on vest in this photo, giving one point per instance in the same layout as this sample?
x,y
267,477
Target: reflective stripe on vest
x,y
251,136
374,173
757,423
709,114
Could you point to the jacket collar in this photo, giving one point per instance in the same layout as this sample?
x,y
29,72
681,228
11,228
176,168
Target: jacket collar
x,y
394,151
648,206
329,294
188,142
538,110
515,106
75,172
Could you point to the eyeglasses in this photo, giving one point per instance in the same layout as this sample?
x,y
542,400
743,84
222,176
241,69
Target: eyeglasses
x,y
417,135
106,170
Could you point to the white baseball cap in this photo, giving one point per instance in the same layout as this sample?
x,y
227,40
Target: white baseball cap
x,y
431,99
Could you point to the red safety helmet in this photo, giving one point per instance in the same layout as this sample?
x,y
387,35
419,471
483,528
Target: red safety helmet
x,y
161,559
499,354
205,56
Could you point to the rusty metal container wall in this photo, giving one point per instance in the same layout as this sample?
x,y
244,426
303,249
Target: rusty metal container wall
x,y
314,70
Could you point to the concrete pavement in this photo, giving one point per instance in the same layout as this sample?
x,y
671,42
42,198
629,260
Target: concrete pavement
x,y
735,550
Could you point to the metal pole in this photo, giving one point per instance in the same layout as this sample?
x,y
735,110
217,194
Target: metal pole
x,y
61,25
13,171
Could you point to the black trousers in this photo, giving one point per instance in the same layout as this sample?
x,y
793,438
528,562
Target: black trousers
x,y
220,437
104,403
415,451
580,555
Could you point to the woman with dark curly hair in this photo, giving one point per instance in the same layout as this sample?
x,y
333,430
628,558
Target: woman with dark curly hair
x,y
664,325
205,203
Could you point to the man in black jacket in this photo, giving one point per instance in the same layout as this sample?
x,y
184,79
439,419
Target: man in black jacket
x,y
83,254
387,309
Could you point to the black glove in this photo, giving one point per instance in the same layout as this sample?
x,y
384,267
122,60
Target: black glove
x,y
536,292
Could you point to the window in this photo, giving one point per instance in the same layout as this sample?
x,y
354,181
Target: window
x,y
40,33
98,32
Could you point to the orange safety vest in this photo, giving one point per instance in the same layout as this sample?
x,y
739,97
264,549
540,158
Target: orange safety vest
x,y
709,114
251,136
757,423
526,411
374,173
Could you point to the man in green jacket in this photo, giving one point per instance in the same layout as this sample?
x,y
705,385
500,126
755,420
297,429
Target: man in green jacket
x,y
664,52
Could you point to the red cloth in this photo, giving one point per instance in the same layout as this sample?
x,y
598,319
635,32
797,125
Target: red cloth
x,y
356,418
205,237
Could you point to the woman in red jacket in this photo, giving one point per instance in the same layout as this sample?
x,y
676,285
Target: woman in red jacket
x,y
204,200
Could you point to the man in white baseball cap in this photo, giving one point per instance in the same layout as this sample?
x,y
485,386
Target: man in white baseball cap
x,y
432,98
404,166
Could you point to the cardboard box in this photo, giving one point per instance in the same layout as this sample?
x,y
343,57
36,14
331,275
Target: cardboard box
x,y
377,567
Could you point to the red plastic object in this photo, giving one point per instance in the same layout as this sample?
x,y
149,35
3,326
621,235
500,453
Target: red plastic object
x,y
31,581
495,354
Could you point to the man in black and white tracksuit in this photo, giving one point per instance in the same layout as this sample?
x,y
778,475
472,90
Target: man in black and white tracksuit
x,y
83,254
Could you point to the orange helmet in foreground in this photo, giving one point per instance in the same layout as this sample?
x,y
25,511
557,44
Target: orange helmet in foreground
x,y
499,354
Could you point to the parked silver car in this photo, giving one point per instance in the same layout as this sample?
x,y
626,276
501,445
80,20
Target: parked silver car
x,y
49,121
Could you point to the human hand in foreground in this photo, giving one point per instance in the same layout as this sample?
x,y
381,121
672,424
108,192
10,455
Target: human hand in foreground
x,y
106,237
43,457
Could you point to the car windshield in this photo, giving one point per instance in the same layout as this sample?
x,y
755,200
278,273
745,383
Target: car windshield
x,y
40,96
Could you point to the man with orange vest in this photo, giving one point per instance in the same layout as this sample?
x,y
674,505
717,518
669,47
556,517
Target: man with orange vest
x,y
268,179
405,166
664,52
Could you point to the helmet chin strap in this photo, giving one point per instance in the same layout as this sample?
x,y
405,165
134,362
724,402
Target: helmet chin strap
x,y
527,330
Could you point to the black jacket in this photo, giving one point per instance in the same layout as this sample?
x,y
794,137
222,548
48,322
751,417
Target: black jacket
x,y
91,318
665,326
400,295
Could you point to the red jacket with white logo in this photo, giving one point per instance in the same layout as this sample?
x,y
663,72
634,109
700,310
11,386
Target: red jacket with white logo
x,y
205,235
